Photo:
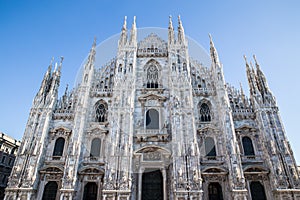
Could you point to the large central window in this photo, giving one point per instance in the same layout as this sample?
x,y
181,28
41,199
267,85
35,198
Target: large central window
x,y
152,76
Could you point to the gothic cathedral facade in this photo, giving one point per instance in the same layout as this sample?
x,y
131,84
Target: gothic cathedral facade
x,y
154,124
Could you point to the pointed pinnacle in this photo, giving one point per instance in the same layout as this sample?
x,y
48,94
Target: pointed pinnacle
x,y
251,65
66,90
245,58
95,41
51,61
242,91
170,21
179,20
61,60
210,39
125,23
256,63
134,18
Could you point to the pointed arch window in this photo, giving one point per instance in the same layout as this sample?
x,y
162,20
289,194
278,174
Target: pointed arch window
x,y
257,191
210,148
152,119
50,191
101,111
248,146
215,191
59,147
204,113
152,76
95,147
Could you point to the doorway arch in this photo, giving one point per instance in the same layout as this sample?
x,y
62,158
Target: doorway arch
x,y
152,185
90,191
50,191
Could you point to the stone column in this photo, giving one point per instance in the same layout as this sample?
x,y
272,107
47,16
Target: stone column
x,y
141,171
163,171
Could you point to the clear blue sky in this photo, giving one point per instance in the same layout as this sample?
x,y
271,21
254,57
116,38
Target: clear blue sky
x,y
31,32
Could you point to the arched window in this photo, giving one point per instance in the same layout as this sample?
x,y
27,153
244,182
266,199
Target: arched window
x,y
215,191
120,68
210,149
184,67
101,111
173,67
247,146
90,191
152,119
50,191
257,191
205,113
59,147
152,76
95,147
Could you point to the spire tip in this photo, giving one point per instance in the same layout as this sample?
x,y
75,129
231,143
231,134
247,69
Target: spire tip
x,y
245,58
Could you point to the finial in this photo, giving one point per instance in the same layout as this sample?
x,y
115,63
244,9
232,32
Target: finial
x,y
55,67
95,41
51,61
245,58
170,21
256,63
210,38
125,23
134,18
61,60
251,65
179,20
241,88
66,91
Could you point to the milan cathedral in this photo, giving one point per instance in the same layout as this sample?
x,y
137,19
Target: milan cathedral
x,y
154,124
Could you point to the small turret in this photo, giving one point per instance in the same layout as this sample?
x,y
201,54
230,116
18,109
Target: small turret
x,y
56,77
123,37
171,35
181,36
213,52
133,33
251,78
45,83
243,94
91,57
261,79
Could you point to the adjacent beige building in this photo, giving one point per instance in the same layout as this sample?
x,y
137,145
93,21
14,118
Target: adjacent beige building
x,y
8,151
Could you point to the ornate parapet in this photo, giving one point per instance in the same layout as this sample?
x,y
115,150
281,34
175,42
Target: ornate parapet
x,y
203,92
98,92
63,114
116,194
152,135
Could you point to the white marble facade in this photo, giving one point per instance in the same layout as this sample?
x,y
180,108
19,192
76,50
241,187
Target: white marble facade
x,y
154,124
